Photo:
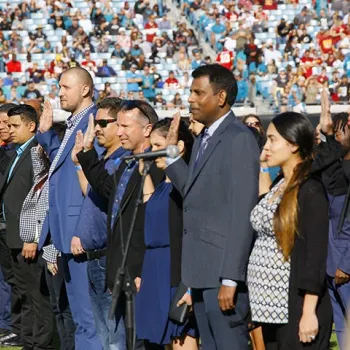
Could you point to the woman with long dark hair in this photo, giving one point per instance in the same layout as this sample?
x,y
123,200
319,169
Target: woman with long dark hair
x,y
286,270
161,272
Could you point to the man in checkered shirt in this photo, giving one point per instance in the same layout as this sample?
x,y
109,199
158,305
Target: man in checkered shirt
x,y
66,198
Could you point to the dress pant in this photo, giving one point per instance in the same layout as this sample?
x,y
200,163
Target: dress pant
x,y
219,331
340,299
5,303
77,284
6,268
60,307
38,328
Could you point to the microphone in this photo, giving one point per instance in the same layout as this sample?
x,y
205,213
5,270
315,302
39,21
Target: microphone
x,y
171,151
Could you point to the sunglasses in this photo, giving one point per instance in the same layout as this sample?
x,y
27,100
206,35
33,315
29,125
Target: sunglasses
x,y
253,124
103,122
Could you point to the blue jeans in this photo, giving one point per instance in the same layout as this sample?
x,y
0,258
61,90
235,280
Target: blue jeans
x,y
5,303
111,332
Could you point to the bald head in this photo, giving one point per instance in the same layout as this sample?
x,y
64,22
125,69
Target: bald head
x,y
81,76
76,89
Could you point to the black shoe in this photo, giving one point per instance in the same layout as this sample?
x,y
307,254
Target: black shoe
x,y
7,337
16,341
4,332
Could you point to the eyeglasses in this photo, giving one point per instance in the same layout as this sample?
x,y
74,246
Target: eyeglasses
x,y
253,124
103,122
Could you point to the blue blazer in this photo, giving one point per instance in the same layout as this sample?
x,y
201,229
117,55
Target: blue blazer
x,y
65,195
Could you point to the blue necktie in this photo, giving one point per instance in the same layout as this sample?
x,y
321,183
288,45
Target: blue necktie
x,y
204,143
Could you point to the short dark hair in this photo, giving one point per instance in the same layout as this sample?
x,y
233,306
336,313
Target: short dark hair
x,y
113,104
27,113
145,109
6,107
185,135
220,78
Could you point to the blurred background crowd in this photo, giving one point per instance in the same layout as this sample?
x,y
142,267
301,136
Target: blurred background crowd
x,y
282,52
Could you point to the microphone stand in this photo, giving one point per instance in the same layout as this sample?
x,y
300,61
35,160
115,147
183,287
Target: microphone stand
x,y
123,282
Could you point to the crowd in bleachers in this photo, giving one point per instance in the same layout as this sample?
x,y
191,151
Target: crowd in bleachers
x,y
286,51
130,48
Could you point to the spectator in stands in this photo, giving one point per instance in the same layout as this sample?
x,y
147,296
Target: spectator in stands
x,y
217,29
242,86
128,62
305,16
148,84
270,53
14,66
74,26
312,88
133,79
197,62
118,52
32,93
123,40
343,89
88,59
159,101
164,23
105,71
297,93
171,82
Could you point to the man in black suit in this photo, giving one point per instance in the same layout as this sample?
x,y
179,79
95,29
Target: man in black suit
x,y
134,120
10,318
37,322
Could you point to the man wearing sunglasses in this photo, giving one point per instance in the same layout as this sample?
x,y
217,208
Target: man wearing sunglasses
x,y
91,231
135,121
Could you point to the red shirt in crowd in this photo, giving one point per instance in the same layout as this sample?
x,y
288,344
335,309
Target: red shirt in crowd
x,y
225,59
86,62
326,43
172,82
149,25
270,5
322,79
14,67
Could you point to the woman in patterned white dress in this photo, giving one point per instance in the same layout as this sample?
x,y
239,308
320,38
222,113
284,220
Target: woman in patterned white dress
x,y
286,270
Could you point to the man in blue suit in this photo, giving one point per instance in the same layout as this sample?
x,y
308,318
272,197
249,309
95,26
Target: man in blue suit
x,y
66,197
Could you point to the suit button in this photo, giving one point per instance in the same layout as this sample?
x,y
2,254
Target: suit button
x,y
185,209
185,231
39,221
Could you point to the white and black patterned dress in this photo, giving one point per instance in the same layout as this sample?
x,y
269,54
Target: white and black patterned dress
x,y
268,272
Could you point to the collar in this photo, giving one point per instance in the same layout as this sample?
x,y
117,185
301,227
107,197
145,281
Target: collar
x,y
74,120
213,127
20,149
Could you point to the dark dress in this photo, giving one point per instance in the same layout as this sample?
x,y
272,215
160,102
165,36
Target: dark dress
x,y
155,295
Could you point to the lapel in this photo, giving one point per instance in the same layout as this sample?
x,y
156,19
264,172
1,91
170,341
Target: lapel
x,y
214,141
71,141
6,174
21,159
130,188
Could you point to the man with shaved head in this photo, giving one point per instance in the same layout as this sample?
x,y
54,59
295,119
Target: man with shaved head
x,y
66,199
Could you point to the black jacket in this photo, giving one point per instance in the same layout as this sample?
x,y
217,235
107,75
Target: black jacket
x,y
14,191
106,185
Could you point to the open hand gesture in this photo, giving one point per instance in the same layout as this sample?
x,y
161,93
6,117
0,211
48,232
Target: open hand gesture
x,y
89,136
325,118
78,147
46,119
173,134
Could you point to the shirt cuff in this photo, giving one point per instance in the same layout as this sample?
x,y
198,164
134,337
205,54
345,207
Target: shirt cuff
x,y
228,283
170,161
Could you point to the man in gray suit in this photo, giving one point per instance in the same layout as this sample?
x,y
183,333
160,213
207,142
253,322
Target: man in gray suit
x,y
219,188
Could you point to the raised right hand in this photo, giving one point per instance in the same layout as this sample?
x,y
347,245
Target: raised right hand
x,y
78,147
89,135
173,134
46,119
325,117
